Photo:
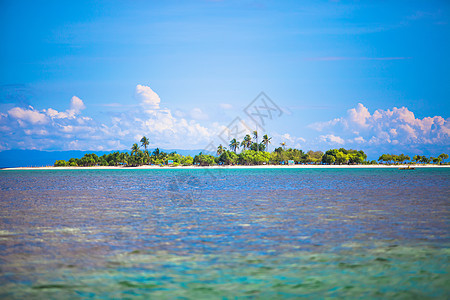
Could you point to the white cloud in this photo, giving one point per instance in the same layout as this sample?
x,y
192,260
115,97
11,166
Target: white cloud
x,y
161,126
359,115
359,139
197,114
54,114
70,130
163,129
46,128
393,132
35,132
166,128
225,106
179,114
147,97
76,106
332,139
396,126
287,137
319,126
29,115
290,140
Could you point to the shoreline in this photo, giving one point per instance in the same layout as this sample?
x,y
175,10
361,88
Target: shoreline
x,y
149,167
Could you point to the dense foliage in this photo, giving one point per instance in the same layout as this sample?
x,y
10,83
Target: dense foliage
x,y
343,156
253,153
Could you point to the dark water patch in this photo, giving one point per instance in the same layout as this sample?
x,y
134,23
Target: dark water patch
x,y
54,286
139,285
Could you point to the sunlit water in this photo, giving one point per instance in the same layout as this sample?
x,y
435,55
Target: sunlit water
x,y
265,233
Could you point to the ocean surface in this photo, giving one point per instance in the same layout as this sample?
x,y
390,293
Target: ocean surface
x,y
239,233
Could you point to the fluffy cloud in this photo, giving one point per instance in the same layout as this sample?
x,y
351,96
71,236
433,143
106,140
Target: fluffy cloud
x,y
162,128
76,106
29,115
49,129
359,115
398,126
28,128
197,114
147,97
332,139
290,140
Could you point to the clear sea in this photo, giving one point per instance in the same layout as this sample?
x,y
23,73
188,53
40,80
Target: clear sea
x,y
232,233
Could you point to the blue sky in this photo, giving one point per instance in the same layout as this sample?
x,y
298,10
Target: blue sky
x,y
96,75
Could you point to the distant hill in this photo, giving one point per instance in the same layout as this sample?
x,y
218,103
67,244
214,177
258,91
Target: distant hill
x,y
36,158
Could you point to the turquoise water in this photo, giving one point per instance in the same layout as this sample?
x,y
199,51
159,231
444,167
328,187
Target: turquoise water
x,y
258,233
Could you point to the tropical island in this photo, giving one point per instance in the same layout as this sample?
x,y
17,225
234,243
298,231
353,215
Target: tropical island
x,y
252,154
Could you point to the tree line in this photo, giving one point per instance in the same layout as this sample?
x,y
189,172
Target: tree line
x,y
418,159
253,153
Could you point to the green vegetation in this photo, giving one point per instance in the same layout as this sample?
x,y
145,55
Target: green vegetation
x,y
417,159
253,153
234,145
204,160
443,157
392,158
342,156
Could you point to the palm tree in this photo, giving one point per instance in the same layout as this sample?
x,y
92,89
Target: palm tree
x,y
134,148
234,145
220,149
283,144
255,135
145,142
123,158
266,141
443,156
247,142
156,153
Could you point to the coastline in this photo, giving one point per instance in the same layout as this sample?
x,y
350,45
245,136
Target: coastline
x,y
150,167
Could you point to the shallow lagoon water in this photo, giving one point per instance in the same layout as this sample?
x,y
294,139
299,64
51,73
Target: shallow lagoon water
x,y
246,233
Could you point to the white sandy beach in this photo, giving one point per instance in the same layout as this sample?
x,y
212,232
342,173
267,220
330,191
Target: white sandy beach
x,y
231,167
